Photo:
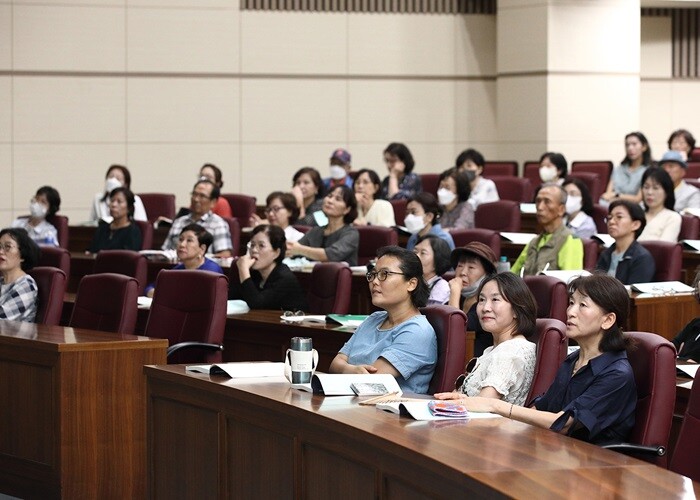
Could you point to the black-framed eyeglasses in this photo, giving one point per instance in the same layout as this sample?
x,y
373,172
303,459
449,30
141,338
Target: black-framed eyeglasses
x,y
273,210
381,275
199,196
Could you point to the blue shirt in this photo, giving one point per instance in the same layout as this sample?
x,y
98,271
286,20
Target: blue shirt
x,y
601,398
410,347
437,231
207,265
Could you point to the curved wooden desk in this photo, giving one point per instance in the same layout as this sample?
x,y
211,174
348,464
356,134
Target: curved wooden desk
x,y
217,438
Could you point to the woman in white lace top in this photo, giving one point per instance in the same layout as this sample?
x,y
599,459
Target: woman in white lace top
x,y
507,310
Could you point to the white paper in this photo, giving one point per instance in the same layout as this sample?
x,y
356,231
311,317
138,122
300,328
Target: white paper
x,y
686,385
338,384
693,244
236,307
243,370
528,208
419,410
661,287
144,302
566,276
313,318
688,369
518,238
605,239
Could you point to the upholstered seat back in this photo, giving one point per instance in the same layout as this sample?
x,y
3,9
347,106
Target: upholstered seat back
x,y
550,337
668,258
550,294
51,284
449,324
55,257
126,262
502,215
373,238
106,302
329,291
486,236
685,455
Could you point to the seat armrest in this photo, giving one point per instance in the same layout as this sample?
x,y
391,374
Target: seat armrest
x,y
187,345
629,448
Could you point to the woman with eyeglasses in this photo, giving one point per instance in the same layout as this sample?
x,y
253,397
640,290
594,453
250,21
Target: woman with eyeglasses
x,y
18,290
281,210
687,341
397,340
122,233
337,241
663,223
626,259
192,246
264,282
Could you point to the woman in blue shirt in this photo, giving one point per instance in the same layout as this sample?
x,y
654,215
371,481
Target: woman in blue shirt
x,y
593,396
397,340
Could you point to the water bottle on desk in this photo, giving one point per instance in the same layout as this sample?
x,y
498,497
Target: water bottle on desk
x,y
503,265
300,361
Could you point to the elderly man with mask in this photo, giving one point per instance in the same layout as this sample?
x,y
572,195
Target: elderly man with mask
x,y
203,198
555,248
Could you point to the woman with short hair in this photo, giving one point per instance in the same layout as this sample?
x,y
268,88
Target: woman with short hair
x,y
44,204
422,218
122,233
281,210
402,182
434,255
308,191
453,195
18,290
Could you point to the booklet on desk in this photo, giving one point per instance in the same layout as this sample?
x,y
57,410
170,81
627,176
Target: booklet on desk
x,y
566,276
518,238
353,320
420,410
339,384
240,370
662,287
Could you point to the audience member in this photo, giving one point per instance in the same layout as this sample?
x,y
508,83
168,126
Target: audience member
x,y
453,196
340,170
422,218
117,176
401,183
203,198
626,180
192,247
45,203
482,190
686,341
579,208
434,255
626,259
337,241
686,196
397,340
281,210
663,223
309,192
553,168
556,247
18,290
682,141
371,209
264,281
122,233
211,172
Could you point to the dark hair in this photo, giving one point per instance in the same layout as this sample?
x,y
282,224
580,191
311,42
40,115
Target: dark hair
x,y
278,241
52,197
461,182
429,203
315,178
374,178
586,200
470,154
28,250
218,176
125,173
686,135
215,191
288,201
635,212
559,161
661,176
441,253
646,155
348,196
611,296
411,267
518,295
128,195
403,153
204,237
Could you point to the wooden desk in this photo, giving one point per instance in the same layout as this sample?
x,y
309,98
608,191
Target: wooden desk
x,y
665,315
217,438
72,423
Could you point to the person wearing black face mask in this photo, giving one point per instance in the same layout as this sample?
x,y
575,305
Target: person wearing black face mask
x,y
45,203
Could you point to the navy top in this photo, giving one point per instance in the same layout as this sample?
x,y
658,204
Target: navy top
x,y
601,398
637,264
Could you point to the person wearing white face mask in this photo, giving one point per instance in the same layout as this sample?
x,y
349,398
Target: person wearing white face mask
x,y
579,208
422,216
117,176
45,203
339,169
453,195
553,168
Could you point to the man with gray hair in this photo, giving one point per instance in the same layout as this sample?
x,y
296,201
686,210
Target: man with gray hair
x,y
555,248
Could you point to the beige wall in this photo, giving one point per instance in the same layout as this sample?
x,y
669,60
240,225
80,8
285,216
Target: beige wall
x,y
165,85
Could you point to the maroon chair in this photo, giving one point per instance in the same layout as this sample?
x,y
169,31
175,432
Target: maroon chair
x,y
126,262
158,205
55,257
513,188
60,222
601,168
551,296
449,324
399,210
693,171
668,258
242,207
600,213
500,168
653,360
429,184
51,284
146,229
234,228
329,291
685,455
592,182
301,228
486,236
106,302
373,238
690,228
591,250
694,155
189,309
531,171
502,215
551,341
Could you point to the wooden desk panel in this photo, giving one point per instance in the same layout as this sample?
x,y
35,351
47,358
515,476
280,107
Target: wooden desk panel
x,y
665,315
235,439
73,411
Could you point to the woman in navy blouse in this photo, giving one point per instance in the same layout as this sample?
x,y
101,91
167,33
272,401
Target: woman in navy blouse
x,y
593,396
